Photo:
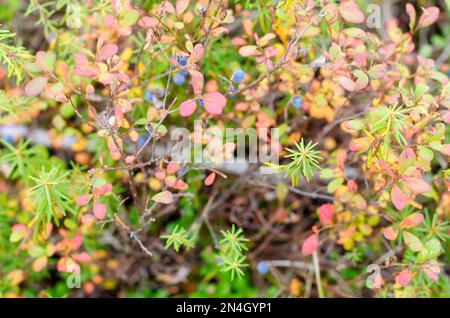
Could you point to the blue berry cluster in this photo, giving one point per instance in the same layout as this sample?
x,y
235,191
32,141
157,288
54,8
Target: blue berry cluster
x,y
182,61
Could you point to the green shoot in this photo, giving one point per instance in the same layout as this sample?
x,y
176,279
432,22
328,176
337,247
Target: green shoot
x,y
304,161
50,193
179,237
231,247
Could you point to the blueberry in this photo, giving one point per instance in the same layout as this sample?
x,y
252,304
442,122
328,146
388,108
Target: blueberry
x,y
181,60
262,267
184,72
141,140
238,76
297,101
148,96
200,103
9,139
179,79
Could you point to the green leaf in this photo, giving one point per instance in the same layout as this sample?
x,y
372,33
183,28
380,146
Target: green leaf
x,y
130,17
412,241
433,249
334,184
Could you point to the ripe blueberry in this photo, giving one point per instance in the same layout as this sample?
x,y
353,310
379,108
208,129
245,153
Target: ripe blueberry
x,y
297,101
238,76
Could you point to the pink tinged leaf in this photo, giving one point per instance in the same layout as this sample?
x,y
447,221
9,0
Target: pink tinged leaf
x,y
84,199
82,257
446,117
359,144
238,41
445,149
214,103
416,185
347,83
428,17
147,22
106,52
181,185
249,50
84,70
164,197
35,86
210,179
130,159
160,175
172,168
81,59
114,150
404,277
350,12
99,210
390,233
197,81
325,213
310,245
181,6
197,53
40,263
187,108
412,15
411,220
399,199
87,218
106,188
40,59
407,154
170,181
167,7
432,270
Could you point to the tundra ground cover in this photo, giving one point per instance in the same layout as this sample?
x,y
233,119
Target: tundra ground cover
x,y
119,177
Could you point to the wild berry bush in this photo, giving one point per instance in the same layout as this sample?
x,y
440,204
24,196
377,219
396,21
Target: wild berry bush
x,y
352,97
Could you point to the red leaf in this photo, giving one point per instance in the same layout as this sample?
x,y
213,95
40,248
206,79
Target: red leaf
x,y
84,199
399,199
99,210
210,179
416,185
325,213
106,52
214,103
187,108
310,244
35,86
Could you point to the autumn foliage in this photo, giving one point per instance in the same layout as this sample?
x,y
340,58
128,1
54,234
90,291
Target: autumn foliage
x,y
355,98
